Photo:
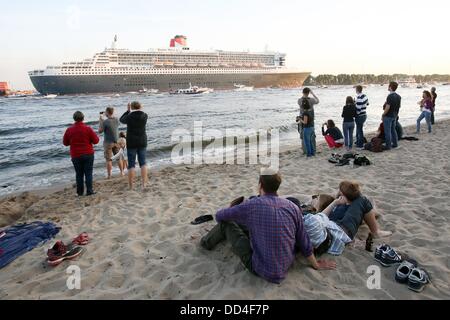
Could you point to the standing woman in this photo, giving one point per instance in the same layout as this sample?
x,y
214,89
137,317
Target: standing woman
x,y
81,139
349,114
426,107
307,119
433,100
136,121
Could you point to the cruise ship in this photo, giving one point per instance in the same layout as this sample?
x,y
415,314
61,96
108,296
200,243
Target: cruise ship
x,y
119,70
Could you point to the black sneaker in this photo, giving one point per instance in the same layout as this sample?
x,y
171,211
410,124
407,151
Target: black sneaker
x,y
390,258
404,270
418,279
382,248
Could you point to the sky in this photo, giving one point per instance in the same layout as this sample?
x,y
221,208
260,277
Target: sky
x,y
320,36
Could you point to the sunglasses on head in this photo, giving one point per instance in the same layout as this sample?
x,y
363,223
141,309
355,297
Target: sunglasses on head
x,y
315,196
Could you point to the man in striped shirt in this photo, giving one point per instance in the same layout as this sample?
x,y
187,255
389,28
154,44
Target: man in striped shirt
x,y
361,116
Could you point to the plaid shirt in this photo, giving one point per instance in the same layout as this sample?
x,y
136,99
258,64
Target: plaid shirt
x,y
276,228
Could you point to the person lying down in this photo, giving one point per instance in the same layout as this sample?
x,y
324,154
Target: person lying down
x,y
334,223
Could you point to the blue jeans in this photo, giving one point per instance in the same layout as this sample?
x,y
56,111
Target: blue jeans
x,y
308,134
427,116
360,120
348,128
84,166
131,154
390,133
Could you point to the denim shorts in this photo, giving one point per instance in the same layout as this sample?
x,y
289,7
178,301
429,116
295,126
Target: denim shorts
x,y
131,153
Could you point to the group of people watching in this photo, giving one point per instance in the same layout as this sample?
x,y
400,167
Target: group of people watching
x,y
117,146
354,115
267,231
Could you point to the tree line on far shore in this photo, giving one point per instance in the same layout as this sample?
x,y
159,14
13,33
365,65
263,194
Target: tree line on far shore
x,y
354,79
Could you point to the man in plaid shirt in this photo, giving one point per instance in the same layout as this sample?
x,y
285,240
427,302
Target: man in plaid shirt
x,y
265,232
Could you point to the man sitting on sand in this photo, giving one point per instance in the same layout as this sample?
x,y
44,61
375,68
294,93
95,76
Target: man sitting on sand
x,y
265,232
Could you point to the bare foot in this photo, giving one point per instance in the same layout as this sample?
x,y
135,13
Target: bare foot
x,y
382,234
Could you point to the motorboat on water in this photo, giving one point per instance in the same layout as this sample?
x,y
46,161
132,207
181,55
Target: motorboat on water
x,y
148,91
50,96
241,87
192,90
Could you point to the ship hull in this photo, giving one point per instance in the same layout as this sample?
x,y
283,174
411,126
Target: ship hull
x,y
85,84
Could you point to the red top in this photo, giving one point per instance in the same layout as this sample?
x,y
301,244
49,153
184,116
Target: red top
x,y
80,138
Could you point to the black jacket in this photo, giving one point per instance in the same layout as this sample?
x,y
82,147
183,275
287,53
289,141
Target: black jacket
x,y
136,134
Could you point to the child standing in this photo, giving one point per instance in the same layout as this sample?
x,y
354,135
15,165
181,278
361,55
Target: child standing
x,y
121,155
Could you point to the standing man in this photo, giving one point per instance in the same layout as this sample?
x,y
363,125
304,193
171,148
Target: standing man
x,y
390,115
110,127
302,102
361,116
433,100
136,121
81,139
265,232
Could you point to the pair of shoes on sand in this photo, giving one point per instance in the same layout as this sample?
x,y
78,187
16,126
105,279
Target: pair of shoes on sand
x,y
408,271
60,252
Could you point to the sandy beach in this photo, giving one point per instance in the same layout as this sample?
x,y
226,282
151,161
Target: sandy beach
x,y
143,246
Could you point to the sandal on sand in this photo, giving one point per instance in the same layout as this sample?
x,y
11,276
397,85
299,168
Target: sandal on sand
x,y
202,219
418,279
81,240
60,252
404,270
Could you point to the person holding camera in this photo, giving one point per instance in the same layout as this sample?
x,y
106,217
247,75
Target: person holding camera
x,y
110,128
136,121
307,102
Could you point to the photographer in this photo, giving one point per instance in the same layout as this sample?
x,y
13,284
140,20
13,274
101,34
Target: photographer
x,y
110,128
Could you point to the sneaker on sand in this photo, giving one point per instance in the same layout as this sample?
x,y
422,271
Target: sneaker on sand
x,y
390,258
60,252
404,270
380,250
418,279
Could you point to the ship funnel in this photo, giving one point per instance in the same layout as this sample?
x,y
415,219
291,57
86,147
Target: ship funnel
x,y
178,42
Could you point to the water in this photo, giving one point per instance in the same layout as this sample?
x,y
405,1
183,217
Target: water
x,y
31,129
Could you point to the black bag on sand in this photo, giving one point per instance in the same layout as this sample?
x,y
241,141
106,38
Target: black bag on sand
x,y
361,161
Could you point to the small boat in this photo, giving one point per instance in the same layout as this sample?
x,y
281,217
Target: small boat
x,y
144,90
241,87
191,90
50,96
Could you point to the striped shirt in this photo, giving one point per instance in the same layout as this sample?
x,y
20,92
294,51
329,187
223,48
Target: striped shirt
x,y
361,104
276,231
317,225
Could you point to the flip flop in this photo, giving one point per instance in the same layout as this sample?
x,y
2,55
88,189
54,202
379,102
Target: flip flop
x,y
82,239
202,219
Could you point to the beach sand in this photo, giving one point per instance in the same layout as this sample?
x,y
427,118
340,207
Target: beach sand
x,y
143,246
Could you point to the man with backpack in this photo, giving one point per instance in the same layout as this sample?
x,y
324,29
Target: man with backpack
x,y
307,102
